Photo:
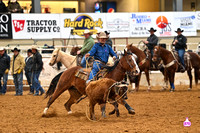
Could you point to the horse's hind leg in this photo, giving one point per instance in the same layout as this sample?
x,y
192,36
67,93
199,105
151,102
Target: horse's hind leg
x,y
190,77
55,95
74,96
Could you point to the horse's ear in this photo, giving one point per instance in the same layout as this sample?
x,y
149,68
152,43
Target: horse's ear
x,y
125,53
129,44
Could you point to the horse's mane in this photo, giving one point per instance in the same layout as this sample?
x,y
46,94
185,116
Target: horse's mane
x,y
111,68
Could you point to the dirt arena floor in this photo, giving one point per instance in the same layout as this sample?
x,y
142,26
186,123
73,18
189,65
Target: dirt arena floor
x,y
156,112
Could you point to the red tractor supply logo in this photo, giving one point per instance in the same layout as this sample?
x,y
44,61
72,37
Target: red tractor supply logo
x,y
18,25
163,23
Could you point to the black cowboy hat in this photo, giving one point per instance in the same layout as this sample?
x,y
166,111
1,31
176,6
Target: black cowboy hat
x,y
179,29
107,32
152,29
29,51
15,49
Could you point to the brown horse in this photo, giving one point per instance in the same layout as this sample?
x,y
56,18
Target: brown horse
x,y
143,63
171,65
74,50
76,86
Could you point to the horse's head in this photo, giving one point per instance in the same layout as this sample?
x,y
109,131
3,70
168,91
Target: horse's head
x,y
156,53
55,57
74,51
128,63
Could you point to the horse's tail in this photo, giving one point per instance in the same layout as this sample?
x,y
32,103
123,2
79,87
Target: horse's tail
x,y
53,85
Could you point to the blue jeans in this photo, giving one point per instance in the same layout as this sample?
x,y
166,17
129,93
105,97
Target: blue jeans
x,y
83,61
95,69
18,80
29,78
181,53
36,83
5,79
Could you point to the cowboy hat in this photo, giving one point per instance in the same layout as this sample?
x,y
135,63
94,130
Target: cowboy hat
x,y
102,35
99,31
34,47
152,29
15,49
87,32
107,32
1,49
29,51
179,30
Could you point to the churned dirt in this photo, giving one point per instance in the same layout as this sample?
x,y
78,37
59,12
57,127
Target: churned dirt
x,y
156,112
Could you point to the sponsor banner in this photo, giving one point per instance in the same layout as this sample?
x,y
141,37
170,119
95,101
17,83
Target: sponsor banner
x,y
118,24
79,22
140,23
163,22
198,20
186,21
35,26
5,26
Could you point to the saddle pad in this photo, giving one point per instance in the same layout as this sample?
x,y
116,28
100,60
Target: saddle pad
x,y
81,75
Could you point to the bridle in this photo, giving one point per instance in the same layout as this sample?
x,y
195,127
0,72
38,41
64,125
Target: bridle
x,y
56,57
157,53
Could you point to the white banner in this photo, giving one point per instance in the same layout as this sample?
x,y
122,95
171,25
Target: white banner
x,y
198,20
50,26
186,21
140,23
79,22
118,24
35,26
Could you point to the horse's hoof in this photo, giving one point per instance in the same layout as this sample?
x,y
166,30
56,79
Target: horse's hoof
x,y
112,112
117,114
189,89
69,112
45,111
163,89
131,111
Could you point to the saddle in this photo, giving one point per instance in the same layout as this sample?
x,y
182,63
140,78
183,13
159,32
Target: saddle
x,y
83,73
186,60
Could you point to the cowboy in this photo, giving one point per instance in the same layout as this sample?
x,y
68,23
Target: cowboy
x,y
152,40
37,68
28,70
4,69
17,65
180,46
108,41
87,46
101,52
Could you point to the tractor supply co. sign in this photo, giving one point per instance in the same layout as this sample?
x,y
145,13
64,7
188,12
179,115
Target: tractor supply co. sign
x,y
35,26
5,26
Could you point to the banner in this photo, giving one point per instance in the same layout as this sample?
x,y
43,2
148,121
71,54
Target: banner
x,y
198,20
35,26
140,23
118,24
185,21
77,23
5,26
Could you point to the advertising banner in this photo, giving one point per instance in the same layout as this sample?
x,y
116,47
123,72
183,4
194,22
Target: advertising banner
x,y
140,23
118,24
198,20
35,26
185,21
163,22
5,26
79,22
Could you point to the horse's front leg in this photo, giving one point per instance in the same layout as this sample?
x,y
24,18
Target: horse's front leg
x,y
115,104
148,80
190,77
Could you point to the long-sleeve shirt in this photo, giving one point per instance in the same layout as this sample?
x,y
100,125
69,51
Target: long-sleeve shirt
x,y
153,40
4,63
17,63
102,52
87,46
181,44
